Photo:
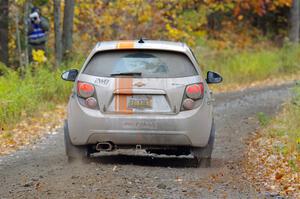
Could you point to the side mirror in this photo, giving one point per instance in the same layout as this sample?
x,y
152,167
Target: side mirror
x,y
213,78
70,75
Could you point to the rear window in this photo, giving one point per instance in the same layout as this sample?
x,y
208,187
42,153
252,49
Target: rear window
x,y
151,63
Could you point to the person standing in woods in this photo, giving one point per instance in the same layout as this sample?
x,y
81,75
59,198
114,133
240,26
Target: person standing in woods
x,y
38,27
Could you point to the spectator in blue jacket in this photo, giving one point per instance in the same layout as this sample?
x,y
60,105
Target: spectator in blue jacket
x,y
38,28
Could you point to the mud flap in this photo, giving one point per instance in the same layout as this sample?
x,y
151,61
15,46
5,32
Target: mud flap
x,y
73,152
202,155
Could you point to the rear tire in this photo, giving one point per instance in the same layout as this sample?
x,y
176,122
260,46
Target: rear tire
x,y
202,155
73,152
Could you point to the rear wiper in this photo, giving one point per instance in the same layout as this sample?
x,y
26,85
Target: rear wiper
x,y
127,74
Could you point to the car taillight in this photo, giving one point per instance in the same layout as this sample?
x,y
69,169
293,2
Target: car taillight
x,y
193,93
86,93
85,90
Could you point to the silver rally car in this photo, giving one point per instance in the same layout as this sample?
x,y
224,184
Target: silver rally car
x,y
141,94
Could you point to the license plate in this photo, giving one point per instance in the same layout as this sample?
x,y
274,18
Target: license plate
x,y
139,102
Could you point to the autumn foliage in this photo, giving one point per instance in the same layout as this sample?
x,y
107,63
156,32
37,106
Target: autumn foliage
x,y
218,24
182,20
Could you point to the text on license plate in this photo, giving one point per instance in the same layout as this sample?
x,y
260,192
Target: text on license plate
x,y
139,102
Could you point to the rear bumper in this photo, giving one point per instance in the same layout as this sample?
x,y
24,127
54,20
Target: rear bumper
x,y
187,128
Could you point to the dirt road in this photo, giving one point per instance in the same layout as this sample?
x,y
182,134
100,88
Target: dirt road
x,y
42,171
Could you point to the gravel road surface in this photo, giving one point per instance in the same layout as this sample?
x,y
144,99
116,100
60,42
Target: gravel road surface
x,y
42,171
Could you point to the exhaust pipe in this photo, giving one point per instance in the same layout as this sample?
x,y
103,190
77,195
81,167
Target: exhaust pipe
x,y
104,146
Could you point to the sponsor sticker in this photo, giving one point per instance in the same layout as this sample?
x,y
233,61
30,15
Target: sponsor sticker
x,y
102,82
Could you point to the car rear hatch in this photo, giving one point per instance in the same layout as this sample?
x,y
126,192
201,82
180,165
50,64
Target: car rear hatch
x,y
140,81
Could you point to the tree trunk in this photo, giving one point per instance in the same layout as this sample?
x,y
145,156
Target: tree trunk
x,y
18,38
4,31
26,14
68,26
294,21
57,31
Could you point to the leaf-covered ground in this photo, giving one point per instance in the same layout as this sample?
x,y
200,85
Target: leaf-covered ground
x,y
273,156
31,129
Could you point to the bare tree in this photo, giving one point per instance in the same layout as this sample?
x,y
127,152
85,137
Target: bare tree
x,y
68,26
4,31
57,31
294,21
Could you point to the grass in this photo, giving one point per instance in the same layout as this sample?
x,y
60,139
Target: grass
x,y
273,154
292,124
286,129
40,89
263,118
246,66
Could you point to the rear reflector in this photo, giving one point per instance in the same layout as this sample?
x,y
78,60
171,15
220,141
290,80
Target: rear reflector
x,y
85,90
91,102
195,91
188,104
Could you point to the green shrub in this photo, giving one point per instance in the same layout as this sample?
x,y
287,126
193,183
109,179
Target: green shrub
x,y
39,89
263,118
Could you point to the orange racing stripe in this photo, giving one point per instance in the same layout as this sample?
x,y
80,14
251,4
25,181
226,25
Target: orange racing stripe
x,y
125,83
116,95
125,45
121,85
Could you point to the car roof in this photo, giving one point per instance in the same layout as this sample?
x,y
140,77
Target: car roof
x,y
141,44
